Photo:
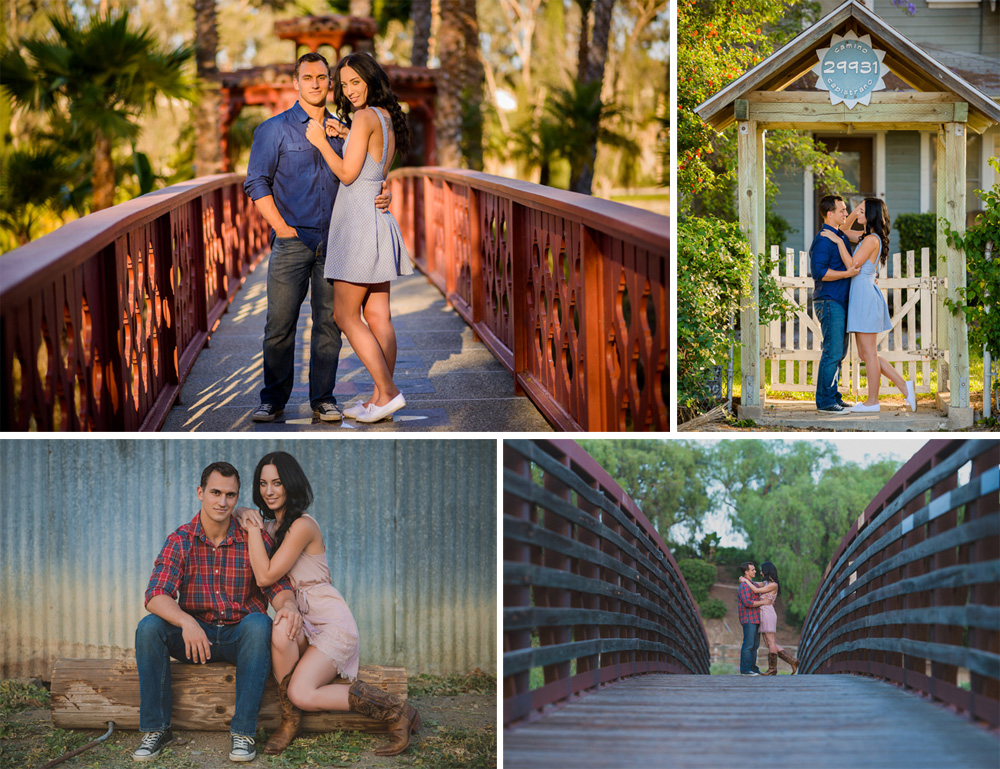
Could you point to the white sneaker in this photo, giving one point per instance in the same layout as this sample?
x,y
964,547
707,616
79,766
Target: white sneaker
x,y
353,412
911,396
862,408
377,413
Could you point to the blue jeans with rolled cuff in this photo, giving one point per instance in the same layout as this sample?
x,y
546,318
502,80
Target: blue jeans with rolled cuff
x,y
748,652
833,323
246,644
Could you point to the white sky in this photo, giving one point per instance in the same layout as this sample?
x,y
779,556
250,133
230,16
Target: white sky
x,y
862,449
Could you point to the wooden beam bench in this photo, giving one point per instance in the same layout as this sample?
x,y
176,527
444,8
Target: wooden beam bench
x,y
87,693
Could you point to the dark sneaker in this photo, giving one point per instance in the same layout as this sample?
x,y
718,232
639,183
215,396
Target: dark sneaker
x,y
328,412
152,745
836,408
267,412
243,748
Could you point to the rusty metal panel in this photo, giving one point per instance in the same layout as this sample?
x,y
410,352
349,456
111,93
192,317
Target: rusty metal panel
x,y
409,525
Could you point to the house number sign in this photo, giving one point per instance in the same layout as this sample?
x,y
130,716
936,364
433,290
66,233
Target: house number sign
x,y
850,69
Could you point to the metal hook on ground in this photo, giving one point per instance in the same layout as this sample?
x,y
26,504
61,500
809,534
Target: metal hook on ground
x,y
78,751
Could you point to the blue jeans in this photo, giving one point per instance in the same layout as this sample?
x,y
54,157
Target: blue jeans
x,y
748,651
833,323
247,644
291,270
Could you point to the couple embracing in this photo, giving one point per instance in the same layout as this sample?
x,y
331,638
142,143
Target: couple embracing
x,y
847,300
325,201
207,599
756,613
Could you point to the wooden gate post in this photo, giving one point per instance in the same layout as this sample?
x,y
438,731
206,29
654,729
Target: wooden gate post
x,y
959,411
751,204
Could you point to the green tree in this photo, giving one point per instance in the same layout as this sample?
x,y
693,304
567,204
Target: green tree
x,y
700,577
794,502
32,182
103,76
667,479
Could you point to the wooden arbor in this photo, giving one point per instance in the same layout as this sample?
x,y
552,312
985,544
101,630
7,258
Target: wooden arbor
x,y
756,102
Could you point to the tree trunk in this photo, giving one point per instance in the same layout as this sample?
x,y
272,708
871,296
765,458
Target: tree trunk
x,y
583,45
208,147
594,73
87,693
448,120
104,173
421,13
473,76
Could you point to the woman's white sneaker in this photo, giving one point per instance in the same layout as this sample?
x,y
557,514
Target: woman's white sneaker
x,y
863,409
911,396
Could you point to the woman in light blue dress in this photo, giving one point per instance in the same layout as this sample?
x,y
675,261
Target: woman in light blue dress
x,y
365,250
867,311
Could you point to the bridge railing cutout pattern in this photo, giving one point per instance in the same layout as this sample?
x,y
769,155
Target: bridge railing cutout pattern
x,y
569,292
912,595
101,320
591,594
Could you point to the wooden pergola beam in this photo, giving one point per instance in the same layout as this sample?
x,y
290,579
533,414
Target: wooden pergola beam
x,y
905,111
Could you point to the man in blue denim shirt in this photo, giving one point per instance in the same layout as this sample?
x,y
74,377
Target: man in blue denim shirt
x,y
831,288
294,189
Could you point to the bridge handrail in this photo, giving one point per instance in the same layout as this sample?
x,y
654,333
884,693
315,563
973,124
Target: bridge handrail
x,y
570,292
101,320
587,581
911,595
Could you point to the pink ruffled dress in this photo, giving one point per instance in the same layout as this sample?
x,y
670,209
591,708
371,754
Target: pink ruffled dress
x,y
328,623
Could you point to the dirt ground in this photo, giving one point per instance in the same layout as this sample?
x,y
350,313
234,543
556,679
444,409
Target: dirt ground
x,y
459,730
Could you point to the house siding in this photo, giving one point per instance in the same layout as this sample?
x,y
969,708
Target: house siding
x,y
788,204
902,177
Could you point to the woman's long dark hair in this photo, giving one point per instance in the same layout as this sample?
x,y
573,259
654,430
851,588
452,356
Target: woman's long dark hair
x,y
877,221
298,492
770,572
379,95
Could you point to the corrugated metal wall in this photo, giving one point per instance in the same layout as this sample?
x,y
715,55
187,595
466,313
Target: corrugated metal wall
x,y
410,529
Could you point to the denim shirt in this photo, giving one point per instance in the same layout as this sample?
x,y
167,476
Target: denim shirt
x,y
285,165
825,255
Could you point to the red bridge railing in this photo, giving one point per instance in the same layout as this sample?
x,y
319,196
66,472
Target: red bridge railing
x,y
101,320
591,594
569,292
913,593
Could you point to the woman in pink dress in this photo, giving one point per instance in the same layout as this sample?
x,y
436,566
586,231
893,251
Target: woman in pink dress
x,y
327,646
768,591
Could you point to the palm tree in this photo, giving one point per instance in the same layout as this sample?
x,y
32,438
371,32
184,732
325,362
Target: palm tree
x,y
32,181
421,10
103,76
460,86
590,70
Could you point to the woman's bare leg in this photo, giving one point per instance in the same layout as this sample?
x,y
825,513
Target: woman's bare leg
x,y
894,376
347,299
375,309
310,688
772,645
285,651
873,369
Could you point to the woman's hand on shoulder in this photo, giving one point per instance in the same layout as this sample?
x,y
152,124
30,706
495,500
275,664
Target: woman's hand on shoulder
x,y
830,236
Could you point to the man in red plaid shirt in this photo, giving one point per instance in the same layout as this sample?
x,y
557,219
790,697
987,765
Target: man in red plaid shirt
x,y
205,606
749,613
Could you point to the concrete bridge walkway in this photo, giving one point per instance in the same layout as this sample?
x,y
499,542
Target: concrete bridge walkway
x,y
451,381
712,722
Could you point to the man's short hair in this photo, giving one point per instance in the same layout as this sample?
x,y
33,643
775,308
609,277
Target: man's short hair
x,y
224,469
828,203
310,57
744,566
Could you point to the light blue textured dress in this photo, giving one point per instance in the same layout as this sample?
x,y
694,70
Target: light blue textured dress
x,y
364,245
866,308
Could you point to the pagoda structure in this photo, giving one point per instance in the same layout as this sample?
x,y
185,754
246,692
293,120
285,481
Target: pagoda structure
x,y
271,85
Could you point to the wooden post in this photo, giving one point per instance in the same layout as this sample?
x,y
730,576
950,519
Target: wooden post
x,y
941,340
959,411
751,206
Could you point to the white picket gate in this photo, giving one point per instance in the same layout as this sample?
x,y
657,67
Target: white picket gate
x,y
794,346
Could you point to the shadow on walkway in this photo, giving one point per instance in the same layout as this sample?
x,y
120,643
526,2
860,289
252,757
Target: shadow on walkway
x,y
451,381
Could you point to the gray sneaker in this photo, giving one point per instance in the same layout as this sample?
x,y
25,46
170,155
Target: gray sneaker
x,y
152,745
244,748
328,412
267,412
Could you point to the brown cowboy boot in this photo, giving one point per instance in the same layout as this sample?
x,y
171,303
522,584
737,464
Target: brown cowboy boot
x,y
790,660
401,717
772,665
291,719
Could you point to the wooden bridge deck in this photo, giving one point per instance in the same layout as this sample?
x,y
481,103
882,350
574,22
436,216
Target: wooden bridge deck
x,y
713,722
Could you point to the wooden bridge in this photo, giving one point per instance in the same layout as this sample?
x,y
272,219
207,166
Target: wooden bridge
x,y
605,656
101,321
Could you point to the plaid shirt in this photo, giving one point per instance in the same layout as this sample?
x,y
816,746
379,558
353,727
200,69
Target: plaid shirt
x,y
749,614
213,584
